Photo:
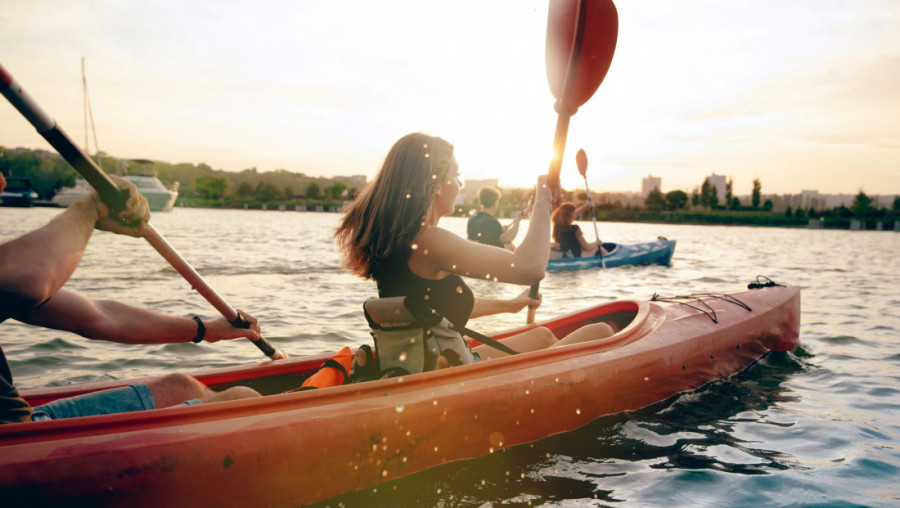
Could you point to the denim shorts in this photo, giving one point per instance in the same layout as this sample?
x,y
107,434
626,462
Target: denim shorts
x,y
116,400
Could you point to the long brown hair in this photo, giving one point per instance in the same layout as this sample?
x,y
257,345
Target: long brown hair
x,y
562,220
383,221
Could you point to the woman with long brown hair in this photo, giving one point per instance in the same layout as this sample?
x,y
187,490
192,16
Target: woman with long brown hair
x,y
390,234
567,236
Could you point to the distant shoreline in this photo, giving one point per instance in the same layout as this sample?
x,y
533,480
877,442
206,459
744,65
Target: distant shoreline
x,y
686,217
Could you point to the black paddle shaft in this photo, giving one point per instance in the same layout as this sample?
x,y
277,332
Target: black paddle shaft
x,y
116,198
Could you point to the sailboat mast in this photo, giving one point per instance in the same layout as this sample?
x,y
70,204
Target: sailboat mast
x,y
88,114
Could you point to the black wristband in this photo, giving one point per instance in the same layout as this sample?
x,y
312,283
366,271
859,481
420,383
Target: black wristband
x,y
201,331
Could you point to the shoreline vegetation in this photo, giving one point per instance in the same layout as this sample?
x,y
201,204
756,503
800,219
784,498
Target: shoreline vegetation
x,y
721,218
204,187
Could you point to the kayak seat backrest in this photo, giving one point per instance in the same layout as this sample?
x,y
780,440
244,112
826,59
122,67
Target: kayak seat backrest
x,y
409,338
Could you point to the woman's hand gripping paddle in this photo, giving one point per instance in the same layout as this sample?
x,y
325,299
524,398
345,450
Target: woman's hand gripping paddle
x,y
581,161
581,41
115,200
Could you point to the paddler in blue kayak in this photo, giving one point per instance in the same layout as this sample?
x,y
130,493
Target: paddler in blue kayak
x,y
568,240
33,268
390,234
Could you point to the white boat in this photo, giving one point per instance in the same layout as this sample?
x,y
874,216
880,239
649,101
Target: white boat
x,y
158,196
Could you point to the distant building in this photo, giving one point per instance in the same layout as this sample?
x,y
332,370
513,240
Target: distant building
x,y
649,183
718,181
812,199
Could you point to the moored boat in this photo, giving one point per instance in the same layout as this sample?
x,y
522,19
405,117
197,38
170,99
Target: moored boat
x,y
627,253
18,192
159,198
288,449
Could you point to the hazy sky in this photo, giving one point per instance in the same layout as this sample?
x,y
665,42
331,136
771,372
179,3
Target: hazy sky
x,y
800,94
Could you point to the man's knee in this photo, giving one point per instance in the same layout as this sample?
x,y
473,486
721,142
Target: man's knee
x,y
545,336
182,381
233,393
172,389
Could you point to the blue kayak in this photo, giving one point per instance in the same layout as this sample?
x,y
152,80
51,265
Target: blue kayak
x,y
629,253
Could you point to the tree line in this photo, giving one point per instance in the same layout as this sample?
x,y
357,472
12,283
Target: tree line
x,y
707,198
201,185
196,183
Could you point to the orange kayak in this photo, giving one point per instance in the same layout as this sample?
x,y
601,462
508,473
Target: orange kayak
x,y
289,449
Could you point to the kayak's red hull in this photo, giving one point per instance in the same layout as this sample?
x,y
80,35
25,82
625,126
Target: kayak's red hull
x,y
291,449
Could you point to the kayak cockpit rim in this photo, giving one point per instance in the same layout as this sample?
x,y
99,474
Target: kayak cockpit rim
x,y
635,313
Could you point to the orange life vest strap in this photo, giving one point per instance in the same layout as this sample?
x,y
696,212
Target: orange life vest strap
x,y
334,372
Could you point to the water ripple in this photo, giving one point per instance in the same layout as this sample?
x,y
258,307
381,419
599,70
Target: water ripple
x,y
816,427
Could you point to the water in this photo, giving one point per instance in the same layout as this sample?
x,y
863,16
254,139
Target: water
x,y
820,426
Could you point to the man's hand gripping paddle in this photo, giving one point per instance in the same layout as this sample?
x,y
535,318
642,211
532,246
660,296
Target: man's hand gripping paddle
x,y
581,161
115,200
581,40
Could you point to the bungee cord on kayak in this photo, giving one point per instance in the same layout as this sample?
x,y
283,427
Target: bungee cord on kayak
x,y
698,298
768,284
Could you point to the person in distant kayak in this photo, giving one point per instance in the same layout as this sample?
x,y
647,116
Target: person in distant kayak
x,y
483,227
390,234
568,239
33,268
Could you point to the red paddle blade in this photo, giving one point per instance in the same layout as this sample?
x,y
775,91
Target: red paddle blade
x,y
581,40
581,161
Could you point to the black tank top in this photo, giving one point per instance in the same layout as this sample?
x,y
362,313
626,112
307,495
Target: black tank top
x,y
569,244
450,296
